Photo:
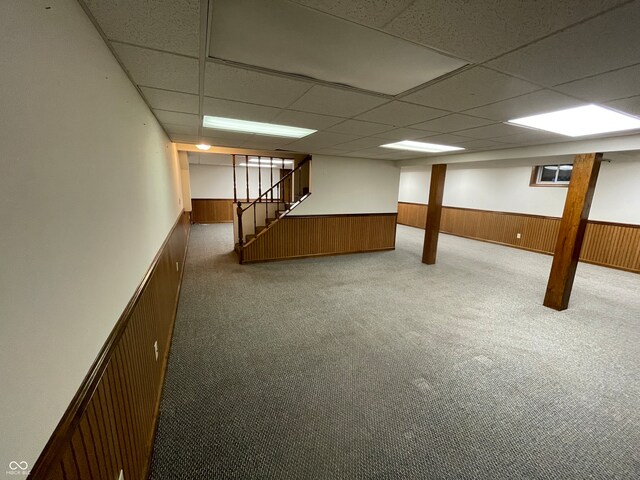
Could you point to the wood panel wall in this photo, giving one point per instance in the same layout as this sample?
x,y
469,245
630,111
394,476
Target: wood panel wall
x,y
110,424
309,236
212,210
608,244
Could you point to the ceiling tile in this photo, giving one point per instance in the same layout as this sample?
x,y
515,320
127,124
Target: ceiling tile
x,y
484,144
266,143
357,127
161,70
320,140
231,83
599,45
366,142
628,105
285,37
482,30
305,120
375,13
541,101
446,139
607,86
330,151
401,114
532,136
470,88
217,141
180,129
491,131
363,154
452,123
243,111
335,101
177,118
170,25
400,134
169,100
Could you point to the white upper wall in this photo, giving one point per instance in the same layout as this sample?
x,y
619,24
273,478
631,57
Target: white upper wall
x,y
89,188
216,181
342,185
616,199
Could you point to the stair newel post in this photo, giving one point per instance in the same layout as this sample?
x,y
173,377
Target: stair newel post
x,y
235,184
246,171
240,232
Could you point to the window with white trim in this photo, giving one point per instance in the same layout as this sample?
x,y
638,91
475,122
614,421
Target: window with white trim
x,y
551,175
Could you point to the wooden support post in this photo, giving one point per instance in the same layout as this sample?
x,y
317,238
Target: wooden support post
x,y
434,212
572,228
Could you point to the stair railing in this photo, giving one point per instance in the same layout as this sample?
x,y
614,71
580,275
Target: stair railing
x,y
297,191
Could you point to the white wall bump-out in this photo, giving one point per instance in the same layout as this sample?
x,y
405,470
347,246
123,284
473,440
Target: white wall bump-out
x,y
90,188
346,185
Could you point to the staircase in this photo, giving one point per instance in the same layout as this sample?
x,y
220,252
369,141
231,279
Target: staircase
x,y
255,218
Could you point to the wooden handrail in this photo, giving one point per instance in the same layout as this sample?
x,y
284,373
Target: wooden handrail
x,y
300,165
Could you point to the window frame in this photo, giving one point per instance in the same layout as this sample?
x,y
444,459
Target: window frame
x,y
536,175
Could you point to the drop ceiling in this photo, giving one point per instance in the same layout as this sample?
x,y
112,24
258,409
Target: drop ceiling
x,y
329,65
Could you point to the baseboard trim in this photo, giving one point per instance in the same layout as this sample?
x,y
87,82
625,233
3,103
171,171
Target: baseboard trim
x,y
58,445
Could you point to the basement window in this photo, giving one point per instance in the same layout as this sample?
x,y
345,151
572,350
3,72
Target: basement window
x,y
551,175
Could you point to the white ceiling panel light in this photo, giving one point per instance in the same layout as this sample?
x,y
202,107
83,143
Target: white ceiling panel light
x,y
258,128
580,121
203,146
421,146
286,37
270,161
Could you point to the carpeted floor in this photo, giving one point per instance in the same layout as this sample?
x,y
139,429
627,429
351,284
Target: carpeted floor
x,y
377,366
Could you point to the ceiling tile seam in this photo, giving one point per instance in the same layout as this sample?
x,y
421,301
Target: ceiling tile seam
x,y
111,48
435,81
397,14
552,88
560,30
296,77
153,49
204,34
597,74
380,30
168,90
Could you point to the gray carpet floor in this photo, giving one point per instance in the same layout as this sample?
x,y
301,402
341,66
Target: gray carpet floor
x,y
377,366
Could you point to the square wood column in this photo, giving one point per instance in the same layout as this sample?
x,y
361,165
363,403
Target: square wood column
x,y
572,227
434,213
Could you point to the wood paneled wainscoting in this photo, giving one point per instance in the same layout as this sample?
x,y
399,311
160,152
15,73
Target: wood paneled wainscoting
x,y
110,424
608,244
317,235
212,210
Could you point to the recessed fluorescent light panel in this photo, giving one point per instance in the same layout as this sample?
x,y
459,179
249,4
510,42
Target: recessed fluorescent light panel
x,y
258,128
421,146
579,121
270,161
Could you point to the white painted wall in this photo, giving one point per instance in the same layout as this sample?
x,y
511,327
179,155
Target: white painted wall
x,y
616,199
351,185
89,188
216,181
185,181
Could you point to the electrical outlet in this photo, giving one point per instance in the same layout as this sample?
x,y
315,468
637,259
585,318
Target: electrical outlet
x,y
121,476
178,265
518,235
155,348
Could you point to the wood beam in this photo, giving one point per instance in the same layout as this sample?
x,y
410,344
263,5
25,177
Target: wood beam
x,y
434,213
572,227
